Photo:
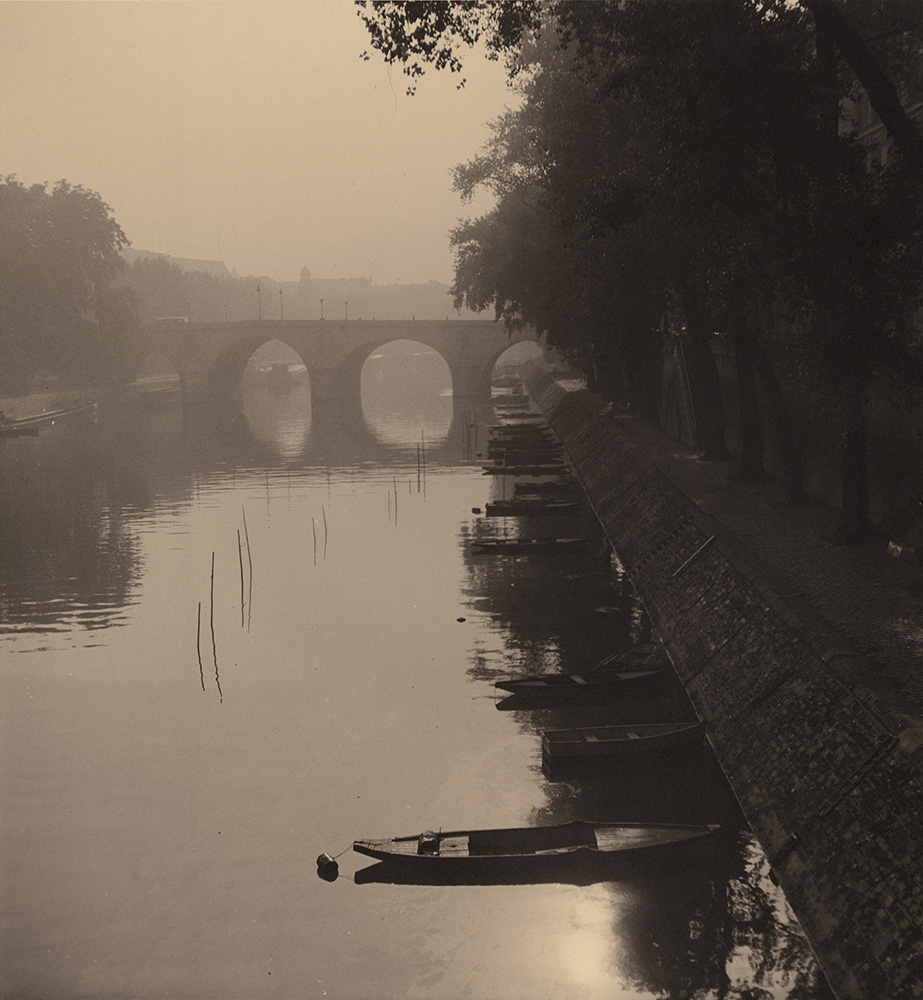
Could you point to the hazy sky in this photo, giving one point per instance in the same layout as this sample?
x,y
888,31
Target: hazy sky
x,y
249,131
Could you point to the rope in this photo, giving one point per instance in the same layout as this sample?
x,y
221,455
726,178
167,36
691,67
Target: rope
x,y
342,852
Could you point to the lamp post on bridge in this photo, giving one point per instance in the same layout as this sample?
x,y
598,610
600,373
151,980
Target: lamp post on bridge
x,y
321,308
259,302
281,311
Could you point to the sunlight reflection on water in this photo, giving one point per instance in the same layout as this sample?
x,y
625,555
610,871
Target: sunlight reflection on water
x,y
164,816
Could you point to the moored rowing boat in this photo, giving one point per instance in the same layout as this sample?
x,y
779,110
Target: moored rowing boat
x,y
27,425
553,685
542,845
525,544
602,741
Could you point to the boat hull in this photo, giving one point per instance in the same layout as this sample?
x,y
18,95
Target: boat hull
x,y
558,469
520,508
555,685
628,848
34,423
619,741
526,544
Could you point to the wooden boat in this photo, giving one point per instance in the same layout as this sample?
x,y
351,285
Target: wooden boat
x,y
529,429
541,500
518,508
616,741
154,397
633,659
514,421
524,432
31,424
281,375
517,443
535,845
558,468
525,456
520,443
553,685
554,487
526,459
525,544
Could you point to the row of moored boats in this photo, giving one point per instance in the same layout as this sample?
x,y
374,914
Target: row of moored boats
x,y
522,444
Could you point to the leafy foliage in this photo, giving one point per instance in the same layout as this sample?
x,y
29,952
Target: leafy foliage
x,y
686,160
434,32
59,257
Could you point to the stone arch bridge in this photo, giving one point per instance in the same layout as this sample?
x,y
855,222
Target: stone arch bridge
x,y
210,357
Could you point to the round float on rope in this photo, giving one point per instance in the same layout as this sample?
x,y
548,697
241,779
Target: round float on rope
x,y
327,868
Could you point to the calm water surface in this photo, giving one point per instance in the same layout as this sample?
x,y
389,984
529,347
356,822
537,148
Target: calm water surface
x,y
179,745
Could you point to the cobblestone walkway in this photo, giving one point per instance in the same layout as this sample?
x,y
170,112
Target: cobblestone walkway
x,y
873,599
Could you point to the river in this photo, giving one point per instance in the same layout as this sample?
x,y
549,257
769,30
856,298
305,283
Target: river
x,y
234,640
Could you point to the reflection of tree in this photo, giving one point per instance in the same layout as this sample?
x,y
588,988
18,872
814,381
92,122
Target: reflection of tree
x,y
65,553
688,932
568,602
717,924
714,927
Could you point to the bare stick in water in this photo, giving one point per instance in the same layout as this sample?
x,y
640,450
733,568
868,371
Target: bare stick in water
x,y
423,457
212,623
325,529
314,531
240,559
247,538
250,565
198,645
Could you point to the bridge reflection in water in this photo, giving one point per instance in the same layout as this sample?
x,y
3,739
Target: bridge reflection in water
x,y
364,685
406,402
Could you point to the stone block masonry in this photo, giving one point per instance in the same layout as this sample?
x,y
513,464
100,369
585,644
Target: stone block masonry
x,y
829,778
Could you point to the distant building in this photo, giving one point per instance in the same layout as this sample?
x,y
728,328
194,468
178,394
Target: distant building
x,y
859,117
215,268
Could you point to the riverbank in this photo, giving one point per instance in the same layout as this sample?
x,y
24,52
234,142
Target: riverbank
x,y
805,662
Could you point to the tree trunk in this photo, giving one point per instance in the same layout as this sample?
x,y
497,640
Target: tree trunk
x,y
855,521
709,418
781,424
751,428
881,91
644,386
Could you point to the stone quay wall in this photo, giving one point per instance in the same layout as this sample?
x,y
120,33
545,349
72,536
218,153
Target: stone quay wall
x,y
829,781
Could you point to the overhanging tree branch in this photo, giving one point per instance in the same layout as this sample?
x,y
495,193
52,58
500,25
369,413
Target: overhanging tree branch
x,y
881,91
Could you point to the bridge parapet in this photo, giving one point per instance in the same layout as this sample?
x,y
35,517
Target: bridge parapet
x,y
210,357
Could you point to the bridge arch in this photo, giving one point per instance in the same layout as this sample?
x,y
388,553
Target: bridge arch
x,y
210,357
406,391
517,354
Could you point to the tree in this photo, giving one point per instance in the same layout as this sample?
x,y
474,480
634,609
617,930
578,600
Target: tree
x,y
59,256
540,258
773,208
